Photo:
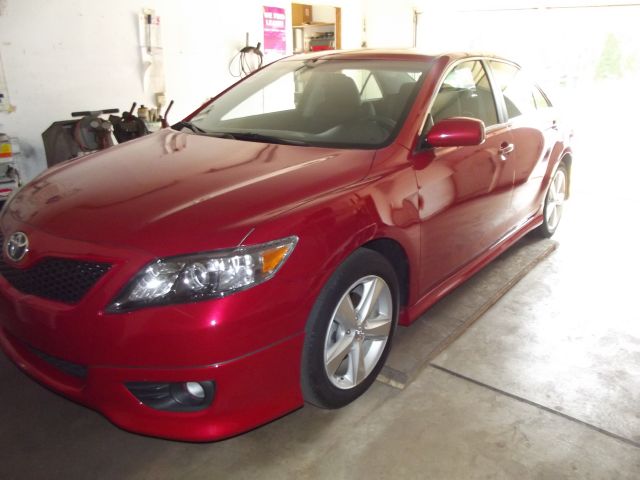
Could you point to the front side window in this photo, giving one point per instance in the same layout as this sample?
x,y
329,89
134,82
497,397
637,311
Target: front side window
x,y
540,99
343,103
521,96
465,92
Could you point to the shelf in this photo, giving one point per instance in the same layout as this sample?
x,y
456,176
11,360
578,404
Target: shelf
x,y
315,24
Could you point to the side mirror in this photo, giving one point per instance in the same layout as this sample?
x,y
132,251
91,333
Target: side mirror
x,y
456,132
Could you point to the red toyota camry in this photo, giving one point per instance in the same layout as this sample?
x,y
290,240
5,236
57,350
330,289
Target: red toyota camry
x,y
205,279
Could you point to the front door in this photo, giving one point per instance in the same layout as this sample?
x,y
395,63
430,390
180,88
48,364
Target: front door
x,y
464,192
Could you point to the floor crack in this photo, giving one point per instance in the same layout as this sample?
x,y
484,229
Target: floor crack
x,y
538,405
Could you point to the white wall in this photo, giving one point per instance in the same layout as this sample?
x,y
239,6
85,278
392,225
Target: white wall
x,y
68,55
389,23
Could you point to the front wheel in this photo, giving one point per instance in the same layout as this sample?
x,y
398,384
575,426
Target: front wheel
x,y
349,331
554,202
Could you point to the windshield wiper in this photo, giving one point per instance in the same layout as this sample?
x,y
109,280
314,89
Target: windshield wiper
x,y
190,125
248,136
258,137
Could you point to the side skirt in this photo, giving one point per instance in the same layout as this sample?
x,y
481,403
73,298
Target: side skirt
x,y
411,313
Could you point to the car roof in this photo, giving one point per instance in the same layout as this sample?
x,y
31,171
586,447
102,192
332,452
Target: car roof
x,y
389,54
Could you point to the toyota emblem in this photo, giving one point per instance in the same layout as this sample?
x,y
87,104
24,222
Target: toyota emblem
x,y
17,246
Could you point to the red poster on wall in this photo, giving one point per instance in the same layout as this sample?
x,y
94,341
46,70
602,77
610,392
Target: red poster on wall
x,y
275,39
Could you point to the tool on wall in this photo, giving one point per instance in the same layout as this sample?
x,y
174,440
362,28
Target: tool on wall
x,y
151,51
5,105
247,60
9,173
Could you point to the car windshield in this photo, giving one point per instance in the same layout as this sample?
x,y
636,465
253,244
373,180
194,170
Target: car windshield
x,y
338,103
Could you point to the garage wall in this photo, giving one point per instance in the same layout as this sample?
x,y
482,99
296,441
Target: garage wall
x,y
72,55
389,24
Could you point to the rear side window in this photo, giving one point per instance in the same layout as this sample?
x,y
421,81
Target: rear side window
x,y
466,92
520,95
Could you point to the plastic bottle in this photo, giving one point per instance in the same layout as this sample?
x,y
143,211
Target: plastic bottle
x,y
143,113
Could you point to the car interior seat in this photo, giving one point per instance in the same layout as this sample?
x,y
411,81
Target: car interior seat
x,y
400,100
329,100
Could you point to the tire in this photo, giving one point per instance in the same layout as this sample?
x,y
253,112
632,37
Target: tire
x,y
342,353
554,202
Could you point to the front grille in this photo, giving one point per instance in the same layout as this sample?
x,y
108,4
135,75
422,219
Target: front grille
x,y
58,279
64,366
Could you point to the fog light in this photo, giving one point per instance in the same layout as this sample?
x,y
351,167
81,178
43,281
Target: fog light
x,y
195,390
174,397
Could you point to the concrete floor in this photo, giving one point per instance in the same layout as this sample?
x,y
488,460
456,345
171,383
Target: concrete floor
x,y
545,385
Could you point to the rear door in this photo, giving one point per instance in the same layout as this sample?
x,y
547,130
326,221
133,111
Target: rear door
x,y
464,192
533,126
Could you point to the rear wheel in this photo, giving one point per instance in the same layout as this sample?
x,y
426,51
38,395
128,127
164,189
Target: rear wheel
x,y
349,331
554,202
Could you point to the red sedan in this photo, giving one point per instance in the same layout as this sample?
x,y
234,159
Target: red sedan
x,y
205,279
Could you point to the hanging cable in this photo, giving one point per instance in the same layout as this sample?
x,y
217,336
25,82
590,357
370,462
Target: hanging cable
x,y
246,61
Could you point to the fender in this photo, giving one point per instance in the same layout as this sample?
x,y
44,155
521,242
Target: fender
x,y
357,215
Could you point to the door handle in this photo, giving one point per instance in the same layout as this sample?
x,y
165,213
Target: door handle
x,y
506,148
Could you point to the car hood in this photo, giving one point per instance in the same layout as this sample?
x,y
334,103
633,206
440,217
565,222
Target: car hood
x,y
174,192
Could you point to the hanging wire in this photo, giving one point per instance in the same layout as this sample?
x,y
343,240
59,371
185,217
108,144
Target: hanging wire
x,y
246,61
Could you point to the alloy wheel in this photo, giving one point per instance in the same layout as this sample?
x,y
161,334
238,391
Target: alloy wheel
x,y
358,332
555,199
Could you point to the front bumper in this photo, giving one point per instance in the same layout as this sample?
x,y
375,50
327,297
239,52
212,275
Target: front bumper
x,y
250,390
249,343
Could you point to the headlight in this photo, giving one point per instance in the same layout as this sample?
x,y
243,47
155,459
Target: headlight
x,y
204,275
